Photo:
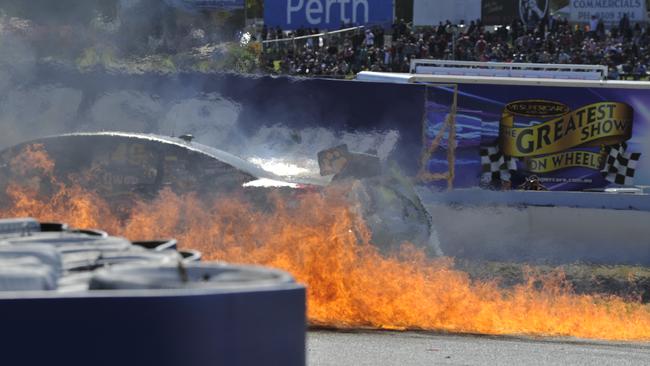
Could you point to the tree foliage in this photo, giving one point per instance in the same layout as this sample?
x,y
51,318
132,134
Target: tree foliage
x,y
242,59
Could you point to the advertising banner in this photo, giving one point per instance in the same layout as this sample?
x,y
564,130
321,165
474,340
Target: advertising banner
x,y
570,139
503,12
610,11
426,12
326,14
499,12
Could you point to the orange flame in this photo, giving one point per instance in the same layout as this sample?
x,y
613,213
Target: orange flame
x,y
323,244
31,171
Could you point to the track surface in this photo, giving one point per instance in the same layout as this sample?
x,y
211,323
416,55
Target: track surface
x,y
412,348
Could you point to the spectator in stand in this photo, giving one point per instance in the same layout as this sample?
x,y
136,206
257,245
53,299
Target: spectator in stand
x,y
481,45
551,40
624,25
593,24
370,38
600,29
640,70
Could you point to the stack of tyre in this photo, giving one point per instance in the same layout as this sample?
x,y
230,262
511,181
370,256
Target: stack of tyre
x,y
74,297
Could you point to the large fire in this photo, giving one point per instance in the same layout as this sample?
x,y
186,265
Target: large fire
x,y
324,245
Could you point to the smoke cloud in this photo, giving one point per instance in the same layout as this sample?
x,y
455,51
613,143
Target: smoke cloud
x,y
39,98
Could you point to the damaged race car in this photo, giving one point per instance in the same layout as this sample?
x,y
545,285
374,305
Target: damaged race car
x,y
122,167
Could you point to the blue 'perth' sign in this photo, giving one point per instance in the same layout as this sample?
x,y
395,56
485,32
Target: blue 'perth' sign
x,y
326,14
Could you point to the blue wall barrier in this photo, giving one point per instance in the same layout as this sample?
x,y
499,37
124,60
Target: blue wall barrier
x,y
563,157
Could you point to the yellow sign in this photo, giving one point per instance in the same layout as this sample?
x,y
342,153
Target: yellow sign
x,y
597,124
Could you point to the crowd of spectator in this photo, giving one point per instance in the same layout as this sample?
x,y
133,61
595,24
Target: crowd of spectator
x,y
623,47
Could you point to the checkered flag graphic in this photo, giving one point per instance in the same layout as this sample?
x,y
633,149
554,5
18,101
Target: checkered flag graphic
x,y
496,166
620,166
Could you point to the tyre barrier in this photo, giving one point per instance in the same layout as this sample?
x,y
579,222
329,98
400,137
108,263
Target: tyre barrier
x,y
190,255
157,244
80,297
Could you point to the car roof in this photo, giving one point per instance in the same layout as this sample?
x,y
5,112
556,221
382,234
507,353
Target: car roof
x,y
211,152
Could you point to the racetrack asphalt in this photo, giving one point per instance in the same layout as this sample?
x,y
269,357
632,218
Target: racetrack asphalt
x,y
383,348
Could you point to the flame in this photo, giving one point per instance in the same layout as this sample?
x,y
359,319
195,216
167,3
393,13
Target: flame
x,y
34,191
318,238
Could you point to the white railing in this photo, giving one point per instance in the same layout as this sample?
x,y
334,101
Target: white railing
x,y
507,69
312,35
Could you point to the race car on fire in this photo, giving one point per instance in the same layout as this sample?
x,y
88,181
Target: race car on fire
x,y
123,167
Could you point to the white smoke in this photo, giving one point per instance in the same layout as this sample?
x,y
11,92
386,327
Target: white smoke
x,y
28,111
126,110
286,151
17,58
42,111
211,119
